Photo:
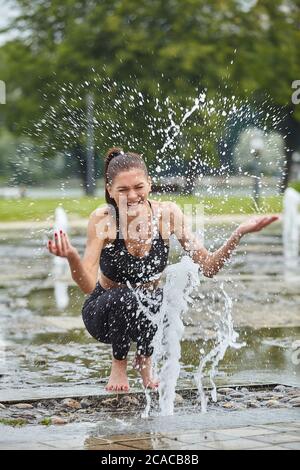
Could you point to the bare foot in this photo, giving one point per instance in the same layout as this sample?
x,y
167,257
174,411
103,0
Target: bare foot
x,y
118,380
144,365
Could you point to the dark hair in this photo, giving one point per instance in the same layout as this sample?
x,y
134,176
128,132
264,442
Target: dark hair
x,y
116,161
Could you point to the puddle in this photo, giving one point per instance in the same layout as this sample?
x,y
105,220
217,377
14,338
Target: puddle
x,y
45,345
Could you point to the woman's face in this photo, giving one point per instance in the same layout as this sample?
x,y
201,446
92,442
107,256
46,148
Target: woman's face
x,y
130,189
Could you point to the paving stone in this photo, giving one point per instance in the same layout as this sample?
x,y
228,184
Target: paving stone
x,y
292,445
203,437
270,448
235,444
66,444
110,447
246,431
195,447
26,446
280,427
138,436
156,444
278,438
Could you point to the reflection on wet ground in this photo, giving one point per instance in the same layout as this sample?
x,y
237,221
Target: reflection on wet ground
x,y
250,429
42,344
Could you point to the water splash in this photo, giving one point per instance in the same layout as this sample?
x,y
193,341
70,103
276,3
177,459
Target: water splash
x,y
181,279
145,413
291,229
181,131
226,337
174,129
60,265
197,134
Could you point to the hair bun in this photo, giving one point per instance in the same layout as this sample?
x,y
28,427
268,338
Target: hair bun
x,y
114,152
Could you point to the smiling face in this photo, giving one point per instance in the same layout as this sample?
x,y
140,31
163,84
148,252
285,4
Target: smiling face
x,y
131,188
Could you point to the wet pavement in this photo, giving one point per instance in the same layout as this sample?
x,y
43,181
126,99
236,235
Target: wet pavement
x,y
251,429
47,357
28,410
44,344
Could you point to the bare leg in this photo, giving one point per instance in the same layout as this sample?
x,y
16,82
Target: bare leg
x,y
144,365
118,380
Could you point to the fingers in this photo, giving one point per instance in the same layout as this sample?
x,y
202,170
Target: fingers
x,y
270,219
67,241
265,221
57,243
60,245
63,243
51,247
262,223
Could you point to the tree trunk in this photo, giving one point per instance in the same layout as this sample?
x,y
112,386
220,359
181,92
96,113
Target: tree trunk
x,y
80,156
291,133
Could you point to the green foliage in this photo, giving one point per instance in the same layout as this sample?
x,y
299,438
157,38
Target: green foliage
x,y
295,185
8,146
43,209
46,421
21,161
15,422
185,46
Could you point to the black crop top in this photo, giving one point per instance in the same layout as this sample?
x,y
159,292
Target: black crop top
x,y
119,265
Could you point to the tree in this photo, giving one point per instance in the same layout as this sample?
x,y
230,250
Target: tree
x,y
186,47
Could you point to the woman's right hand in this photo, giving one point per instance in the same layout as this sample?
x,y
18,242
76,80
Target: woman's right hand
x,y
61,246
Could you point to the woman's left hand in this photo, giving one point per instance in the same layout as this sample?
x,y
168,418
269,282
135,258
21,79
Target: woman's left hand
x,y
255,224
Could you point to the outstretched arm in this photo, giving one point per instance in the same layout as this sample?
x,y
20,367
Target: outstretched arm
x,y
212,262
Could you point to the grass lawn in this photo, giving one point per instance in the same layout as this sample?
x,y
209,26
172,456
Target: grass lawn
x,y
42,209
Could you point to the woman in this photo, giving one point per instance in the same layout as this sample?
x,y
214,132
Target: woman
x,y
129,238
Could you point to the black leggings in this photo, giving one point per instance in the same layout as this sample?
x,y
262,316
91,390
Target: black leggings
x,y
112,316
